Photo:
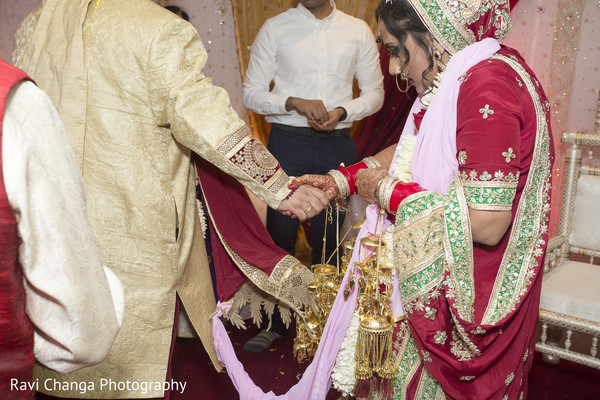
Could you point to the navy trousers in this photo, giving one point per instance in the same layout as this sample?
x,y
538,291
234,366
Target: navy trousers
x,y
299,154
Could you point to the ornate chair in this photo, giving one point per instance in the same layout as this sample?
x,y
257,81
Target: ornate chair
x,y
570,300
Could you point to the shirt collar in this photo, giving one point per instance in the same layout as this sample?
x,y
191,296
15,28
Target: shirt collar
x,y
304,11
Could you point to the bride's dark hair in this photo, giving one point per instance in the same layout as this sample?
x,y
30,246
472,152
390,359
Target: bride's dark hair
x,y
401,20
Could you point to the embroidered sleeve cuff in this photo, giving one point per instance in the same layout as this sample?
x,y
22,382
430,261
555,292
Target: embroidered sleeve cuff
x,y
492,196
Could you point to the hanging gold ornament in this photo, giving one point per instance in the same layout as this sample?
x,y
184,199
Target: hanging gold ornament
x,y
375,369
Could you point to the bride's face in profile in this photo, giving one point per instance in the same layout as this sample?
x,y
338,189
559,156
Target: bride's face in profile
x,y
418,60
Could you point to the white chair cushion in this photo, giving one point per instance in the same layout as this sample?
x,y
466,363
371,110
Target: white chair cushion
x,y
573,288
586,218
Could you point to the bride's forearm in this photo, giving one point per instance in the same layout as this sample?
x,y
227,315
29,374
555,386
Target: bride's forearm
x,y
384,157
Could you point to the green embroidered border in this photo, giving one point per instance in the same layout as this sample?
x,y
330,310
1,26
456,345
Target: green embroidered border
x,y
407,362
447,20
519,261
459,250
490,195
436,16
418,244
428,387
415,205
423,281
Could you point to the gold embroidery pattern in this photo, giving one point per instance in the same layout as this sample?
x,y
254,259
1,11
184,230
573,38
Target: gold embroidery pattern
x,y
464,78
430,313
287,283
517,269
440,337
459,254
509,378
495,193
464,346
486,111
407,360
242,136
425,356
444,28
467,378
447,20
499,176
419,304
461,347
478,331
418,246
462,157
508,155
258,300
428,388
254,159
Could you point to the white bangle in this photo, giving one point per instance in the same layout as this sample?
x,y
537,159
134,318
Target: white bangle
x,y
371,162
341,183
386,189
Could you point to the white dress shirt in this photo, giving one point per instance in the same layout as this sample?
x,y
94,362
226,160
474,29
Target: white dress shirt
x,y
74,303
313,59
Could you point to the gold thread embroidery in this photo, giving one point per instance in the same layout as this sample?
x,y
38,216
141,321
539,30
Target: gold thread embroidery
x,y
508,155
440,337
517,269
509,378
486,111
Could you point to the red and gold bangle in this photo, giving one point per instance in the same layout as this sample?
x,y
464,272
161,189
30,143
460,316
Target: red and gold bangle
x,y
392,192
345,177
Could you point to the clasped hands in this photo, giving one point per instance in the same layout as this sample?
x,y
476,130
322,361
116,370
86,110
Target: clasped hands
x,y
315,112
304,203
366,182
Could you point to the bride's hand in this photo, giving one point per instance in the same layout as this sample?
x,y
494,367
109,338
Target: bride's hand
x,y
323,182
366,182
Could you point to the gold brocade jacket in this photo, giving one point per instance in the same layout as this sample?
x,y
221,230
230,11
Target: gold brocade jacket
x,y
126,77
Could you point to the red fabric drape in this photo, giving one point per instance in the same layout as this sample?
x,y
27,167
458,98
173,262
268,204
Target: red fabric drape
x,y
240,227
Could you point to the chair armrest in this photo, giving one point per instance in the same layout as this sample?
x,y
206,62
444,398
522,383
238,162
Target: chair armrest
x,y
555,242
552,252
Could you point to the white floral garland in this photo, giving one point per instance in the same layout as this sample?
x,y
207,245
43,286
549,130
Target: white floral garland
x,y
402,164
343,373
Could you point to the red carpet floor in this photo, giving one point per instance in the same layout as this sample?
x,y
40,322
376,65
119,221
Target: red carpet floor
x,y
277,370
